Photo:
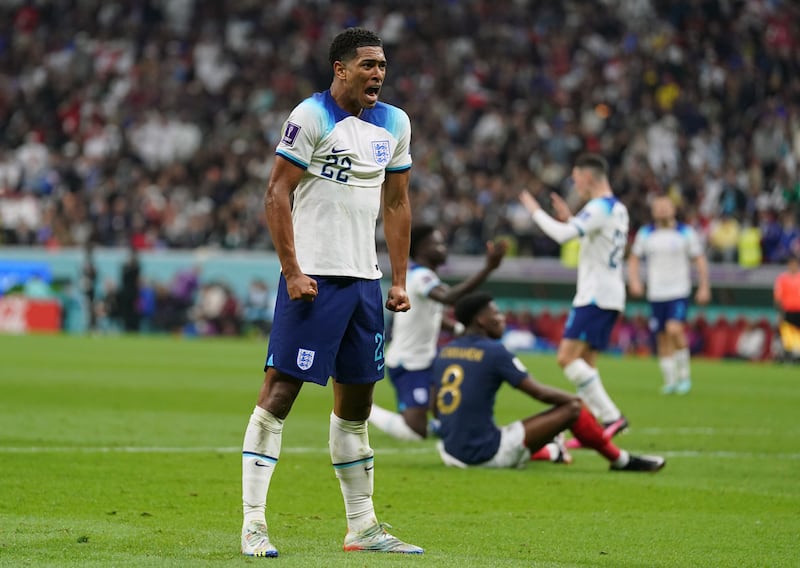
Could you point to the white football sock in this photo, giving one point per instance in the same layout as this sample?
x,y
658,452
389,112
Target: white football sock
x,y
682,369
668,370
623,459
393,424
353,462
553,450
260,452
590,388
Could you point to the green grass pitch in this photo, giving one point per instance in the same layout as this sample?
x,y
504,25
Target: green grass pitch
x,y
124,451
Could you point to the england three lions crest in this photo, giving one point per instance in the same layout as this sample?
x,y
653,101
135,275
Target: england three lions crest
x,y
380,151
305,358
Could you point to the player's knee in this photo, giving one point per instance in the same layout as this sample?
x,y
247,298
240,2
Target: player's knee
x,y
279,403
564,359
278,394
674,329
574,406
571,411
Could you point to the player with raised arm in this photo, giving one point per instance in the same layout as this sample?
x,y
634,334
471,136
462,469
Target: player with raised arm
x,y
340,152
602,226
415,333
669,248
470,371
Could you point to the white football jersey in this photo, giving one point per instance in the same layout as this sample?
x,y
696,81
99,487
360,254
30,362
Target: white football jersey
x,y
337,202
668,253
415,332
603,229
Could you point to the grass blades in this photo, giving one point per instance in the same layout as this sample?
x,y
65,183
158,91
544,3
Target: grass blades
x,y
125,451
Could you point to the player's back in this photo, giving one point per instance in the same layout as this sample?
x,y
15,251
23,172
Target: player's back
x,y
603,225
468,372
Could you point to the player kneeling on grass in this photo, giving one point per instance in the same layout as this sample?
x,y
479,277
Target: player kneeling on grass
x,y
470,371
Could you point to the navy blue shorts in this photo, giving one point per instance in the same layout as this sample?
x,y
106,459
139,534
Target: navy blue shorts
x,y
340,334
592,325
661,312
413,387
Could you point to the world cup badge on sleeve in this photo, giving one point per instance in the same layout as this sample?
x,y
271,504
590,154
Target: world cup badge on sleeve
x,y
290,133
305,358
380,151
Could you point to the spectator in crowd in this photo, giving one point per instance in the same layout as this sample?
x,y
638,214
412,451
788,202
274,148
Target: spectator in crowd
x,y
789,243
88,286
108,313
128,302
751,342
723,238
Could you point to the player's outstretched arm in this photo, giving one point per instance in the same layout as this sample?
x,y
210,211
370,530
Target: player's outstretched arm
x,y
495,251
556,230
560,207
397,229
278,210
544,393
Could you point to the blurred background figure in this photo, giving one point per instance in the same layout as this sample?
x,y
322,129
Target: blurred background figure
x,y
258,307
88,286
128,303
787,300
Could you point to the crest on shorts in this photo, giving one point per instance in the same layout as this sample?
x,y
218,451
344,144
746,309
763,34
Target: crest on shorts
x,y
305,358
290,133
380,151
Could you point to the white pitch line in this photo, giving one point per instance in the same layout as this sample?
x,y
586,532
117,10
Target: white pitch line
x,y
181,450
384,451
702,431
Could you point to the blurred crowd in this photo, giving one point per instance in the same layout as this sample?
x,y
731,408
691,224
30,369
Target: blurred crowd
x,y
153,124
185,305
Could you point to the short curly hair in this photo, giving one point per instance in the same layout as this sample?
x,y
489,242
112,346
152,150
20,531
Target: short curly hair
x,y
470,306
344,45
419,234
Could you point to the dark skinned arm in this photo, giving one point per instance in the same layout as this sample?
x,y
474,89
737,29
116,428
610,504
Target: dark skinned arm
x,y
543,393
278,210
397,229
444,294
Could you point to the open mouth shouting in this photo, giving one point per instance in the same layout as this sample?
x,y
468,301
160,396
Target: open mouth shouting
x,y
371,94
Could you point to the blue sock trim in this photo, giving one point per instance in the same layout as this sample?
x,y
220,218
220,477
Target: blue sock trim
x,y
587,383
353,463
260,456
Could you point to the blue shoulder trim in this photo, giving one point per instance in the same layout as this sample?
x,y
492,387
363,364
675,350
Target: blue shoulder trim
x,y
292,159
335,112
608,202
386,116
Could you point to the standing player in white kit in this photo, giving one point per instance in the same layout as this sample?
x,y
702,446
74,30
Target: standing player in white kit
x,y
670,248
602,226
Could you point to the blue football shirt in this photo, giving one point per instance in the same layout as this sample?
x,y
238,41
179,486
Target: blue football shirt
x,y
468,373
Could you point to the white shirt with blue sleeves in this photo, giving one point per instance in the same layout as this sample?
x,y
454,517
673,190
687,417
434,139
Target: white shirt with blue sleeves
x,y
602,226
415,333
668,253
337,203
